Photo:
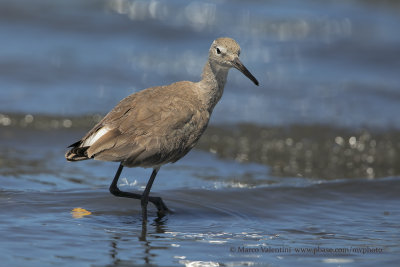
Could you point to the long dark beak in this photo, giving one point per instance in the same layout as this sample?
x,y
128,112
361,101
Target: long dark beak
x,y
239,65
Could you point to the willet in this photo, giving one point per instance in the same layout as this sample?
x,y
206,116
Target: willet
x,y
160,125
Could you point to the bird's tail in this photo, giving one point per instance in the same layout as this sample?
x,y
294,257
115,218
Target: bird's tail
x,y
77,153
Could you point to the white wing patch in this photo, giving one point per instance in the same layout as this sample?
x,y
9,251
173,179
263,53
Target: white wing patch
x,y
96,136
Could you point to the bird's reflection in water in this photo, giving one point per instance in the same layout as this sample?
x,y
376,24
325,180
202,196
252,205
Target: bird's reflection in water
x,y
157,226
158,223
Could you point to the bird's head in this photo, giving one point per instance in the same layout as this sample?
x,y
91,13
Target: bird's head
x,y
225,52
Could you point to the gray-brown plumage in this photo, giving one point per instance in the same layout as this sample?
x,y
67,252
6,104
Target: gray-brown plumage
x,y
161,124
152,127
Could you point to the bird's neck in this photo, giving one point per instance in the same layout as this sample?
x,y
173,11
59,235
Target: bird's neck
x,y
212,83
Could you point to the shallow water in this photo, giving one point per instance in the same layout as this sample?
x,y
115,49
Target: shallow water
x,y
303,170
224,212
208,226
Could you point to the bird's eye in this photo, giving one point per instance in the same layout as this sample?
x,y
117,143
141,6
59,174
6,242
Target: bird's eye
x,y
218,51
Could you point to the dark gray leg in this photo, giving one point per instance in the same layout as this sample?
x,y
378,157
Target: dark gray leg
x,y
145,198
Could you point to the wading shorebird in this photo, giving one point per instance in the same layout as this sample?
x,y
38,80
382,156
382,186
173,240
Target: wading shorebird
x,y
160,125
